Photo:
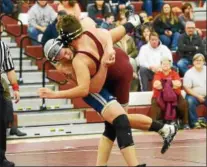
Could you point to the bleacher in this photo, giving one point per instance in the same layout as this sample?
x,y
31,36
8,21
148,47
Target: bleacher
x,y
31,111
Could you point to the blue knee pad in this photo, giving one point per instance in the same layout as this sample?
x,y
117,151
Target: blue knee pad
x,y
109,131
123,131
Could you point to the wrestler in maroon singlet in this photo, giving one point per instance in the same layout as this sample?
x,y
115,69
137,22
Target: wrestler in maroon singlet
x,y
120,74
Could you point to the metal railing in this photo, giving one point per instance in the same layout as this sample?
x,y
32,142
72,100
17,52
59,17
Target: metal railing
x,y
19,21
21,55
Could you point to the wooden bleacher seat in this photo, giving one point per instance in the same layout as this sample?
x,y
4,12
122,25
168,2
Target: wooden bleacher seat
x,y
34,51
15,29
201,24
57,77
139,103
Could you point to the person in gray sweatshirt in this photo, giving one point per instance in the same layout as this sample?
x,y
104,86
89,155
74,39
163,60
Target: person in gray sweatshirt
x,y
40,16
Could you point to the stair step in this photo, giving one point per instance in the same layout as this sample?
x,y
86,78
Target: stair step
x,y
15,52
26,68
50,118
29,104
24,63
61,130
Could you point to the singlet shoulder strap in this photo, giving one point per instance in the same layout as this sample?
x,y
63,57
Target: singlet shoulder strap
x,y
97,62
97,42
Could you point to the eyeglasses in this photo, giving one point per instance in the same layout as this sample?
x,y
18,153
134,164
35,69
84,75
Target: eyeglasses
x,y
198,60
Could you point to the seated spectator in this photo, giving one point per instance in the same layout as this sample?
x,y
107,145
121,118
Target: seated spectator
x,y
98,10
117,5
168,27
71,7
121,17
40,16
149,59
187,15
174,99
145,33
146,22
108,23
145,19
194,83
51,30
6,7
152,5
188,45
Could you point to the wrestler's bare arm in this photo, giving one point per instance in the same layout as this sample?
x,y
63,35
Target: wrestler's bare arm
x,y
82,74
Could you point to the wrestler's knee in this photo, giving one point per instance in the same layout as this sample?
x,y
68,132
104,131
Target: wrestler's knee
x,y
123,131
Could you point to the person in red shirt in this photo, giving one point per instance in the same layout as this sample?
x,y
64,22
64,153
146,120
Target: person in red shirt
x,y
166,72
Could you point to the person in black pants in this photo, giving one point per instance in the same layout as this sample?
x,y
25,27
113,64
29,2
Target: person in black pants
x,y
7,65
10,110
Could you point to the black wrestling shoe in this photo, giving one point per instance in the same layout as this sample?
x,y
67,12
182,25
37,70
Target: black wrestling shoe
x,y
6,163
17,132
168,133
142,165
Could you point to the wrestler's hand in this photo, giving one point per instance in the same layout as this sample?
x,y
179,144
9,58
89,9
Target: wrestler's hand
x,y
46,93
16,96
108,59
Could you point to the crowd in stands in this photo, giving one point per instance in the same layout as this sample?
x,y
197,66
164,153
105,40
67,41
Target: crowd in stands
x,y
164,31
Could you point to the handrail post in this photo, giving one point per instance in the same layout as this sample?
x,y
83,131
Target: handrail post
x,y
21,56
43,107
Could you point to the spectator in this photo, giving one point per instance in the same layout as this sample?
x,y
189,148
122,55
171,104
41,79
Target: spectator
x,y
40,16
168,27
149,59
9,110
205,47
6,7
98,10
71,7
157,111
108,23
146,22
152,5
187,15
194,83
117,5
188,45
51,30
146,30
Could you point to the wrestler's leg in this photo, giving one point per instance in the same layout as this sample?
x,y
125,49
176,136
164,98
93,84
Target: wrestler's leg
x,y
120,31
116,115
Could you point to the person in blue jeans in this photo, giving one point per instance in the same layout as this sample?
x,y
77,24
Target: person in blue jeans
x,y
189,44
194,83
152,5
167,25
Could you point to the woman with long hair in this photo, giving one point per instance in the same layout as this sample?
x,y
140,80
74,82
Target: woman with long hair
x,y
168,26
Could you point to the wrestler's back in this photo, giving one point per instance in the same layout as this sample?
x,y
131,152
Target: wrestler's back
x,y
122,65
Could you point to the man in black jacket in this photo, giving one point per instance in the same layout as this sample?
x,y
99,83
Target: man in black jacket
x,y
188,45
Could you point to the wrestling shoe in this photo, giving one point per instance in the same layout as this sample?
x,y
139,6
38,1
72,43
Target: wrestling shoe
x,y
135,20
168,132
142,165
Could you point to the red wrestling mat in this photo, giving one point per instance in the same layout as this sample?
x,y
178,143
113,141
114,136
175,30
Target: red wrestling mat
x,y
188,149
